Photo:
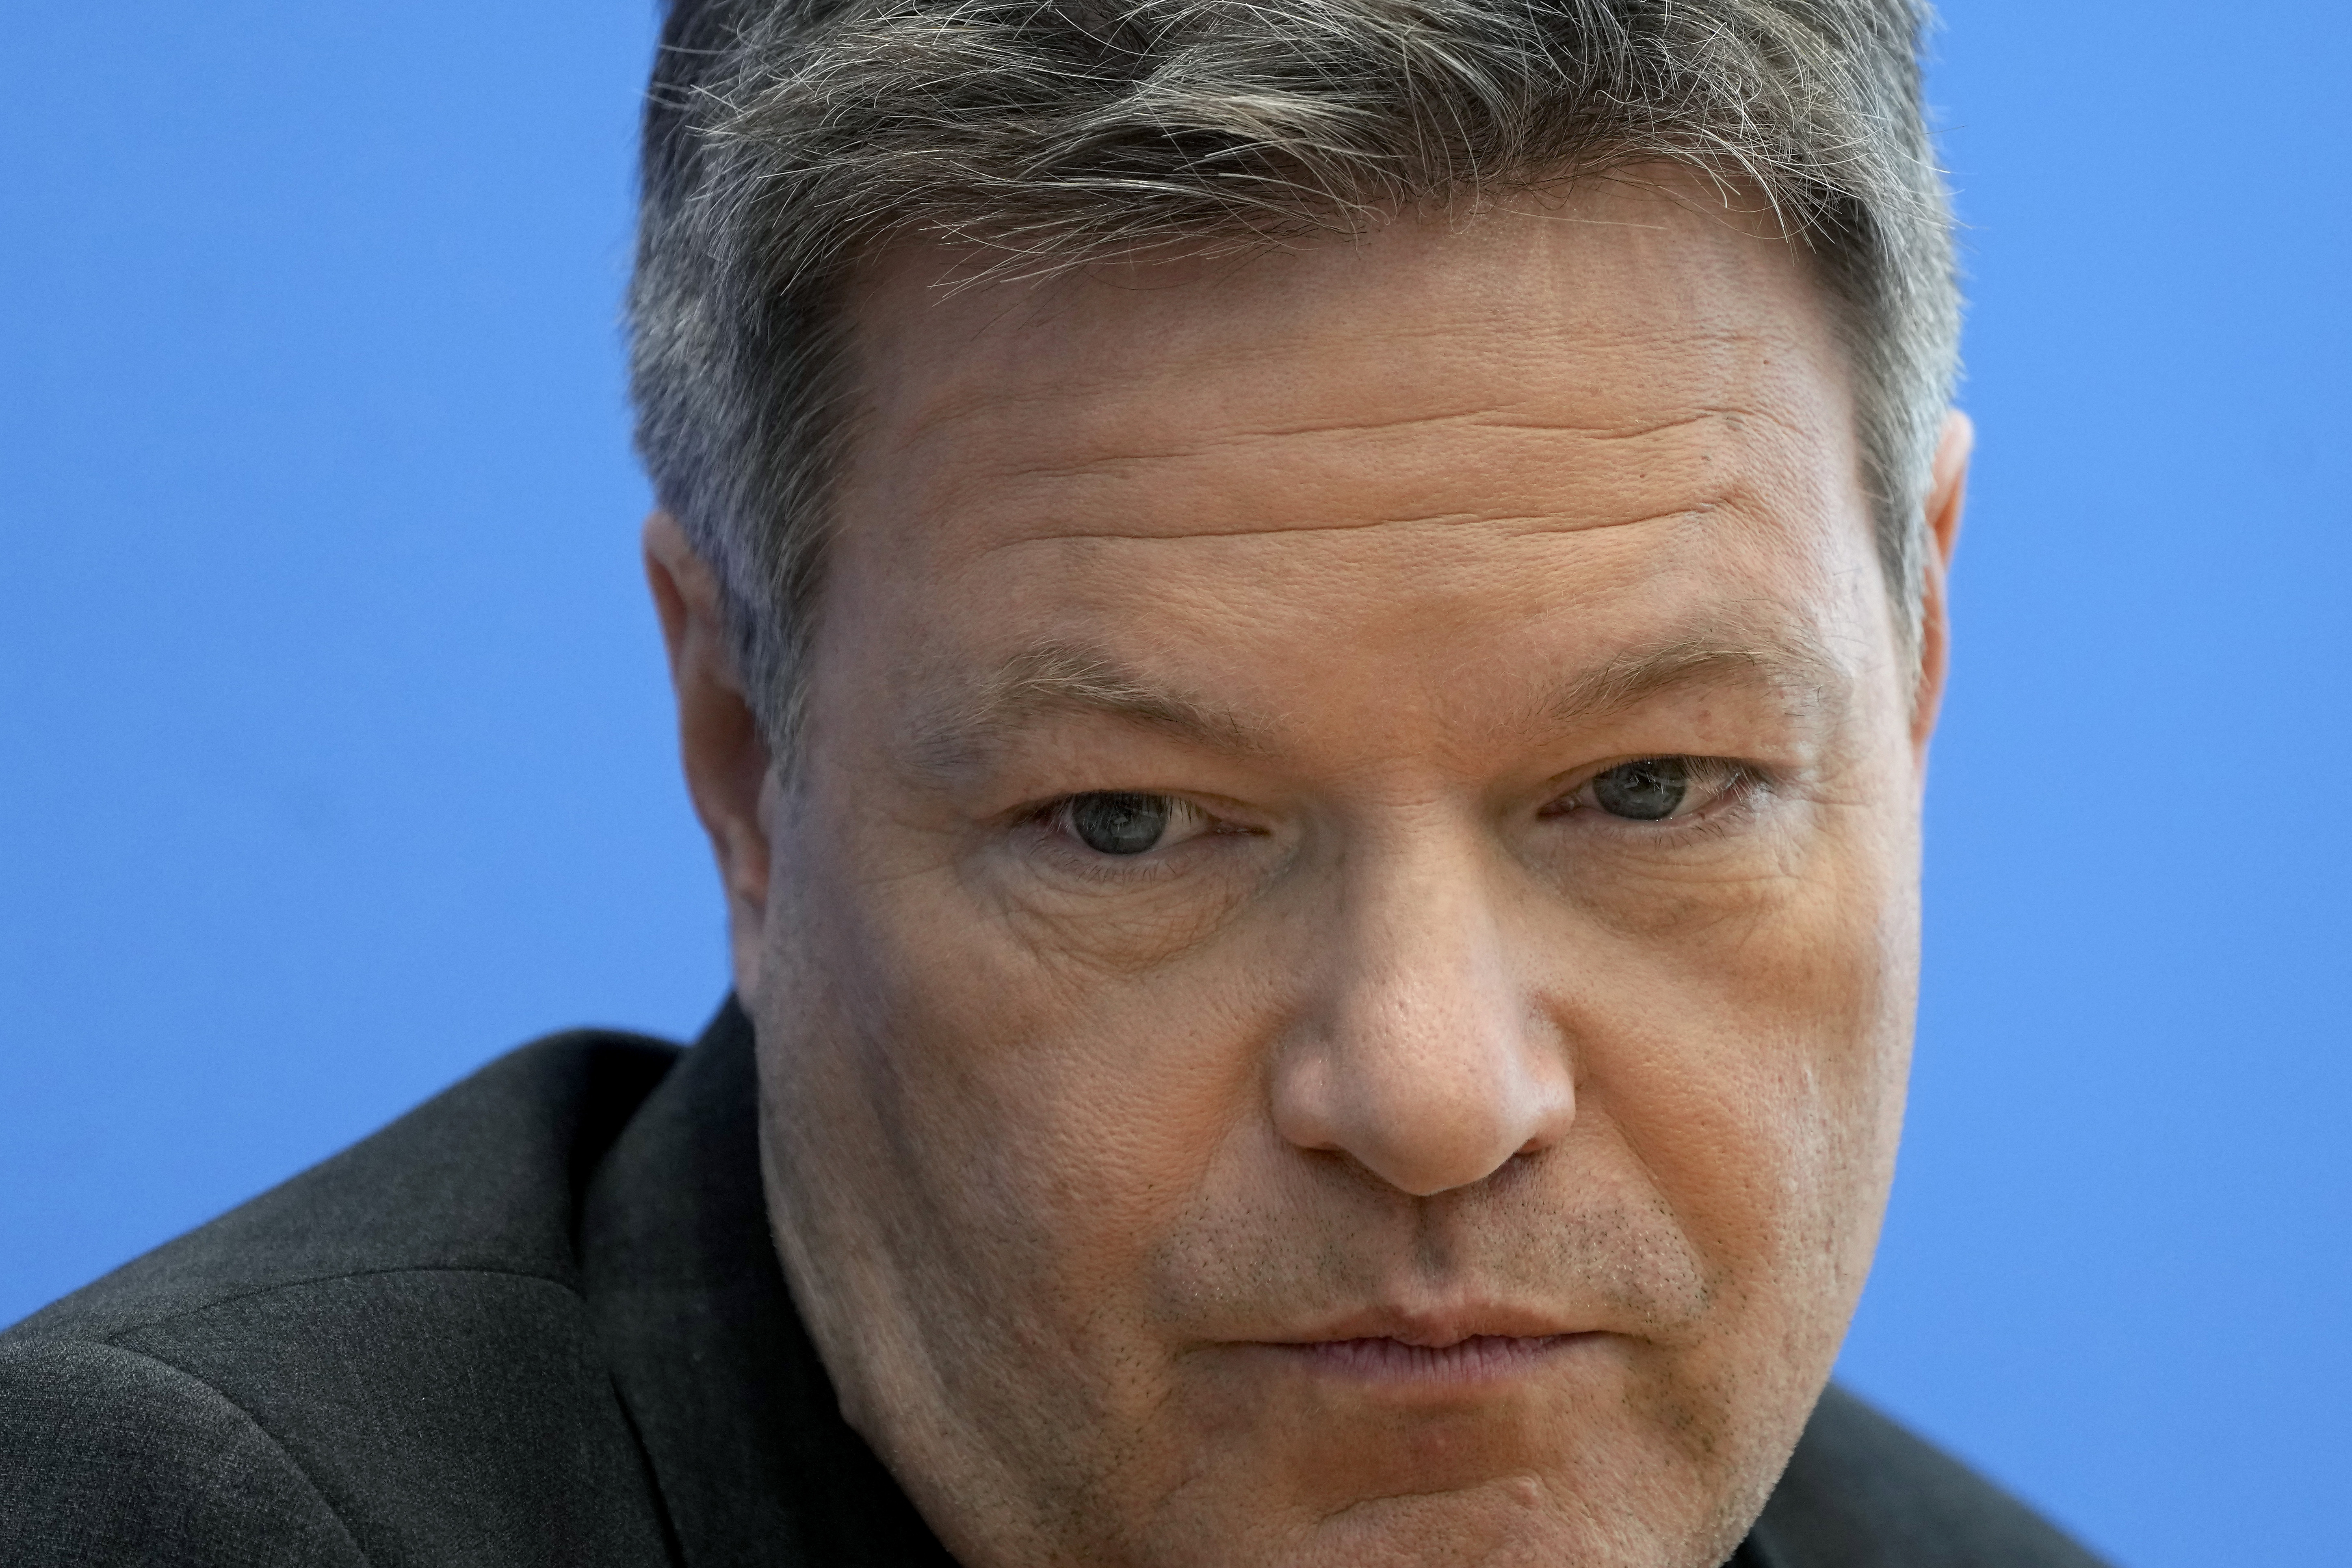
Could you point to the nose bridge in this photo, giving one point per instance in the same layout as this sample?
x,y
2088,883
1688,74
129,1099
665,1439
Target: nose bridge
x,y
1422,1054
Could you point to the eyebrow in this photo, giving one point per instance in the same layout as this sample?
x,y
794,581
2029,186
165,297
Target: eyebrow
x,y
1060,676
1070,677
1800,673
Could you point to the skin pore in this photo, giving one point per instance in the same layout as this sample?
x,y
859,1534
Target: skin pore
x,y
1333,981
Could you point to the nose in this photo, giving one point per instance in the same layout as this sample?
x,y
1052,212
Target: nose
x,y
1423,1056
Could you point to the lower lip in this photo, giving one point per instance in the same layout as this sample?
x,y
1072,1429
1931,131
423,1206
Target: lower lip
x,y
1480,1359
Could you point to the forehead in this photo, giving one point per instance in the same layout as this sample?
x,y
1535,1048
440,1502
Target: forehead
x,y
1600,414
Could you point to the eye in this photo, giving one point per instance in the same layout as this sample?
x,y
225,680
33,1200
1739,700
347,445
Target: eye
x,y
1657,789
1121,822
1648,791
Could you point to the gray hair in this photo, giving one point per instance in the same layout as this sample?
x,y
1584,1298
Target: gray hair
x,y
785,141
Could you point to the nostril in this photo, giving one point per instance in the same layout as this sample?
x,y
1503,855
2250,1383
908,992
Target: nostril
x,y
1425,1120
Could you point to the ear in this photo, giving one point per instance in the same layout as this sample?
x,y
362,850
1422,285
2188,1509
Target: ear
x,y
725,758
1947,494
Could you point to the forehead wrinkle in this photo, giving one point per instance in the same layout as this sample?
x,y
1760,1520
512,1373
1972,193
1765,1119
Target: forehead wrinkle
x,y
986,383
1056,676
1501,422
1500,466
981,387
1535,524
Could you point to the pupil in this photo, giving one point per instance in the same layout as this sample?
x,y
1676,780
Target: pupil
x,y
1646,791
1120,823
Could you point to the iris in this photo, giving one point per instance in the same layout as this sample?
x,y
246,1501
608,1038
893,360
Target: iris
x,y
1120,823
1648,791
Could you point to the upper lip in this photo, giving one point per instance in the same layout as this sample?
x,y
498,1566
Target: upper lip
x,y
1431,1329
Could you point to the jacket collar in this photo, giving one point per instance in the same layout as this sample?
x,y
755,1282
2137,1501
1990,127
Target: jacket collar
x,y
739,1424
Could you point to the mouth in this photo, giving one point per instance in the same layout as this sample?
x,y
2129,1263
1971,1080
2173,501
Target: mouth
x,y
1486,1347
1383,1359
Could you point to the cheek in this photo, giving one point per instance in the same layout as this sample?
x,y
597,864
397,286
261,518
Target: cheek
x,y
1078,937
972,1156
1751,1051
1023,1119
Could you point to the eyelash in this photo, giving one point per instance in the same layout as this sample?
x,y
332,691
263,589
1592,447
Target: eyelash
x,y
1050,822
1736,797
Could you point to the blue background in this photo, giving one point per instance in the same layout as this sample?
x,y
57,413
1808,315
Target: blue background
x,y
334,755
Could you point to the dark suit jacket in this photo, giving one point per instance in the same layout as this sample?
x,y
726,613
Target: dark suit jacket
x,y
539,1320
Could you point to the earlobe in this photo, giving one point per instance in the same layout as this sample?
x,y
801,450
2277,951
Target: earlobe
x,y
720,744
1947,499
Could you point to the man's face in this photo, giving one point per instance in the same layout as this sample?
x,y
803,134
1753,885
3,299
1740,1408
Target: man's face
x,y
1335,984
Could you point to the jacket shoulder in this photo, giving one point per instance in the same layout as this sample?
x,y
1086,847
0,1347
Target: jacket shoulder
x,y
484,1176
114,1458
387,1360
1863,1491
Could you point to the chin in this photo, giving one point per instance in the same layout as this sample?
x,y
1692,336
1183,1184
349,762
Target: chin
x,y
1578,1460
1537,1520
